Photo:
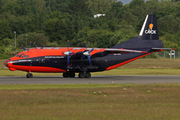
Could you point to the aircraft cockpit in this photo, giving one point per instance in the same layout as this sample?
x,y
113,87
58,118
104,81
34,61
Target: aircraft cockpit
x,y
22,56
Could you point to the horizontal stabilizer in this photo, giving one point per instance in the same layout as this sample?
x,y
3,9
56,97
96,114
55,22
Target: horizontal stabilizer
x,y
124,50
162,48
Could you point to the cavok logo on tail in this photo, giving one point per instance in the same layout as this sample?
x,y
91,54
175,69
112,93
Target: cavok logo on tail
x,y
150,31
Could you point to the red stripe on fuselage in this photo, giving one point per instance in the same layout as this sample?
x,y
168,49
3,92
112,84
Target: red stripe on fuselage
x,y
38,69
120,64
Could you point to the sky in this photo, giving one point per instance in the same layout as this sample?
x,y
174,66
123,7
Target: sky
x,y
125,1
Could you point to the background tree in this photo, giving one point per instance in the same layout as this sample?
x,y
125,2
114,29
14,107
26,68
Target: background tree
x,y
62,20
39,38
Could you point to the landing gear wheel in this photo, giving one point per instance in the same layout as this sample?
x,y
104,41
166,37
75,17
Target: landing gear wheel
x,y
69,74
88,75
29,75
81,75
65,75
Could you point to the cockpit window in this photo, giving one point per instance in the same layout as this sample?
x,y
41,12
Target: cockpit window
x,y
22,55
17,55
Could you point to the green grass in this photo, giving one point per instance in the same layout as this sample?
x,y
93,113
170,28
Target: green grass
x,y
61,86
100,102
95,101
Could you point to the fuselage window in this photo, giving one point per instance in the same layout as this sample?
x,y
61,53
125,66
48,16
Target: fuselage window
x,y
26,56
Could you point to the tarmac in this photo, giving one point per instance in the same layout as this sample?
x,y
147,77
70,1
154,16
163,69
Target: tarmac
x,y
93,80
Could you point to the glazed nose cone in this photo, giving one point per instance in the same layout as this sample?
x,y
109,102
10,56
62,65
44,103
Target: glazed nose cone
x,y
6,63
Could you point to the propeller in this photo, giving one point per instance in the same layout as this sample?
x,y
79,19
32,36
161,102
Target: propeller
x,y
68,54
35,45
88,54
22,47
29,44
42,46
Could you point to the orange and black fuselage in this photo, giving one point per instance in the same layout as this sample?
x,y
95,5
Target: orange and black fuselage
x,y
52,60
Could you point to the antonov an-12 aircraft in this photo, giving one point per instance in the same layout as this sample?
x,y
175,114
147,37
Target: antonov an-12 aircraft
x,y
71,60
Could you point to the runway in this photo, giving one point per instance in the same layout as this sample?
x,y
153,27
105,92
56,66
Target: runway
x,y
93,80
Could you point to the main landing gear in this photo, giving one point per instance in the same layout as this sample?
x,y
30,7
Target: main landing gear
x,y
84,75
81,75
69,74
29,75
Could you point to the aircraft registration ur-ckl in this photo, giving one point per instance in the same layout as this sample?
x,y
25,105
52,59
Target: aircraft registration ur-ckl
x,y
71,60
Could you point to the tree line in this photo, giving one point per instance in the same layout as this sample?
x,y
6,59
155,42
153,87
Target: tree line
x,y
53,22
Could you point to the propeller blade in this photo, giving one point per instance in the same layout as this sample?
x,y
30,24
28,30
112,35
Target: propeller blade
x,y
42,46
35,44
22,47
83,57
89,60
68,59
85,44
29,44
91,50
88,54
68,44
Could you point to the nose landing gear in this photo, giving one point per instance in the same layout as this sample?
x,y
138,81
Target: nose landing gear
x,y
29,75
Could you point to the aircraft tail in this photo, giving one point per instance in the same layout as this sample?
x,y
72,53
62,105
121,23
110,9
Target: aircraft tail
x,y
148,36
149,30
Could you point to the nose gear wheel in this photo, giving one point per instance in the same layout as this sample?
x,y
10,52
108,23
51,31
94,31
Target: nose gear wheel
x,y
29,75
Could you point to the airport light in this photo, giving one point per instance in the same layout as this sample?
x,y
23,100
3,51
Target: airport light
x,y
15,38
26,40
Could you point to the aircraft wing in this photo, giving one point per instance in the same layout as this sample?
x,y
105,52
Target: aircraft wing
x,y
124,50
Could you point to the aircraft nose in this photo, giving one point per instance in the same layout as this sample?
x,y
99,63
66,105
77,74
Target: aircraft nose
x,y
6,63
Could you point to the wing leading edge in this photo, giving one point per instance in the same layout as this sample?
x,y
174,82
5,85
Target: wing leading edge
x,y
124,50
136,51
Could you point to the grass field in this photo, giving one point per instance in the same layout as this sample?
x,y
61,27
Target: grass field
x,y
91,102
95,101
